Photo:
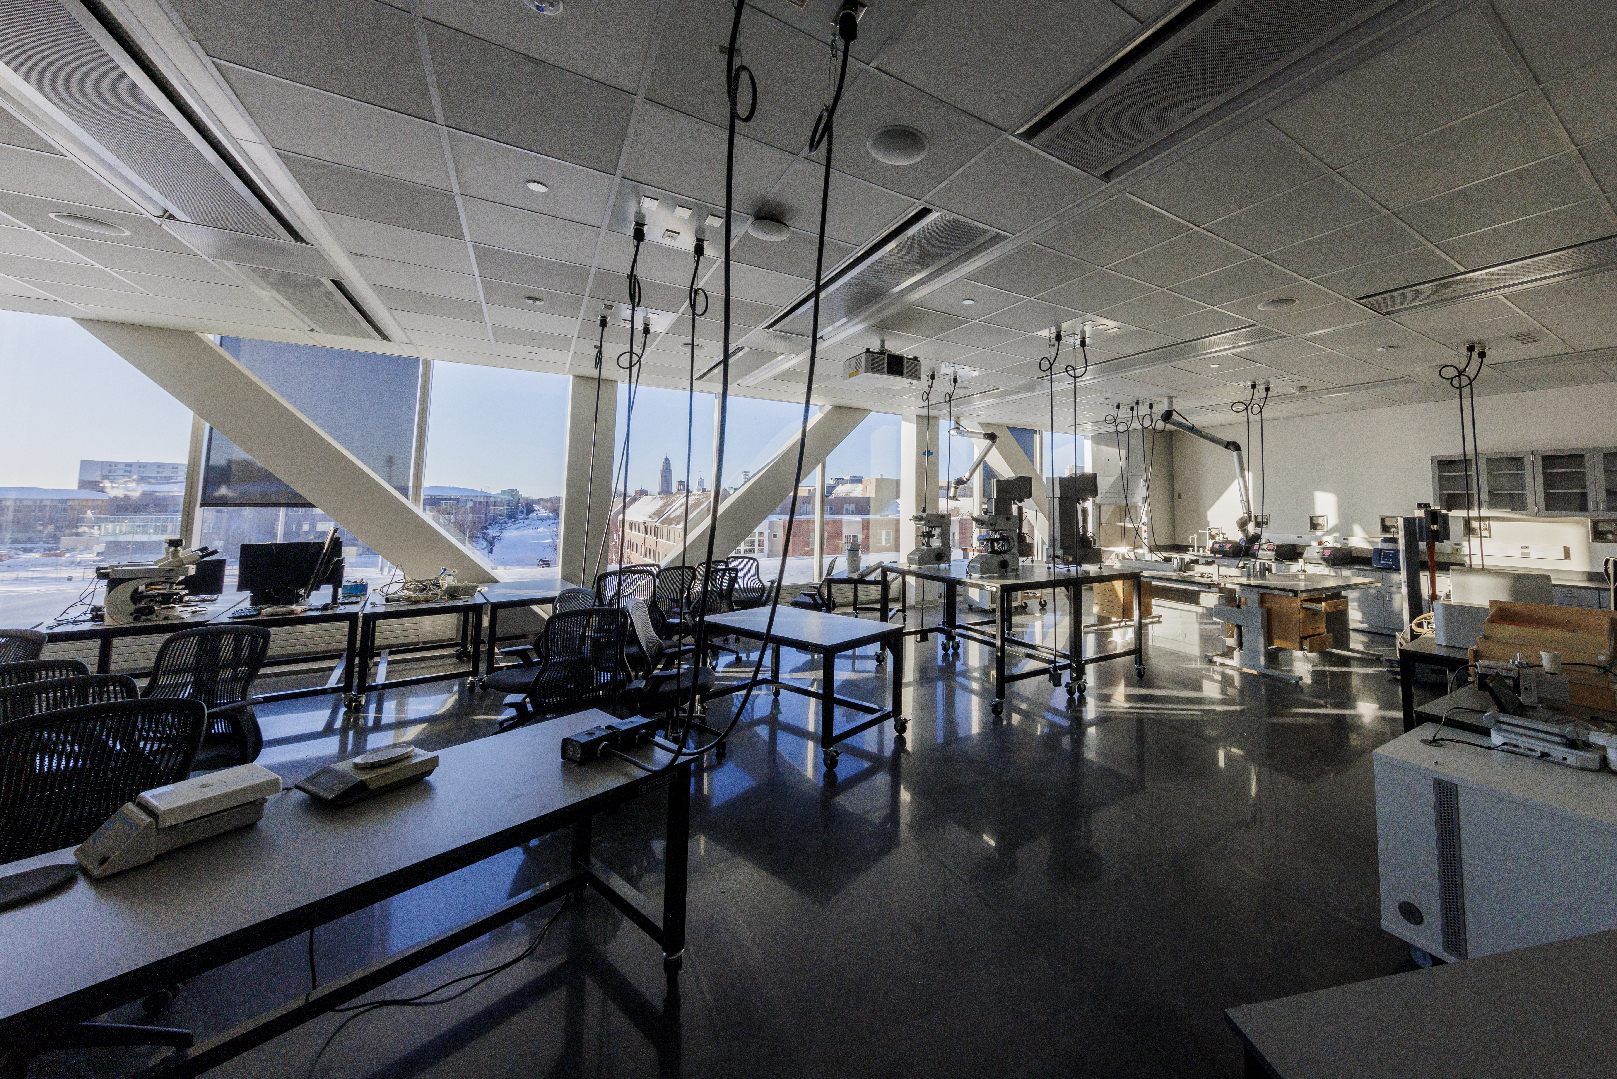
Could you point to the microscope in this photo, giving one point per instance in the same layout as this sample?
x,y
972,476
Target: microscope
x,y
149,591
1000,543
932,547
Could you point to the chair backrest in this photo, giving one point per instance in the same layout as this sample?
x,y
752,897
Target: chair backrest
x,y
581,659
748,574
17,645
64,773
649,656
215,664
32,698
715,587
39,670
573,599
621,587
673,589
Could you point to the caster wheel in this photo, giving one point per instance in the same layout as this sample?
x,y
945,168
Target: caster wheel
x,y
462,654
881,655
998,708
777,692
831,756
1072,690
1139,672
900,725
1043,603
956,647
1083,687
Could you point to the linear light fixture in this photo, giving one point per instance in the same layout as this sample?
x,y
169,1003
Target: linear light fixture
x,y
1567,263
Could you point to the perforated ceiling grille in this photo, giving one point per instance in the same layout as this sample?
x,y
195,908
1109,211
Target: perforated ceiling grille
x,y
1202,57
918,250
1579,260
47,48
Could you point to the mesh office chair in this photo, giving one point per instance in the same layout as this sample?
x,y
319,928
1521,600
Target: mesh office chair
x,y
53,695
621,587
750,589
715,588
64,773
580,665
39,670
573,599
17,645
215,665
671,599
657,691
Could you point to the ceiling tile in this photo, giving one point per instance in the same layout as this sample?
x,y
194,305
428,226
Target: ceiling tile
x,y
980,335
1315,319
530,270
499,173
1031,316
367,195
449,327
251,309
400,244
1443,73
1098,289
357,48
511,295
1011,187
857,213
1300,214
511,335
1113,231
1586,101
875,100
1509,135
1546,185
179,288
1405,268
498,225
606,42
20,241
319,124
1307,294
36,213
535,319
417,278
1193,254
1534,235
1004,61
1330,370
1250,278
1358,243
1556,36
147,260
1583,328
1030,270
32,269
951,299
1384,342
1252,164
13,132
1602,159
671,152
1600,289
515,99
793,255
614,288
1032,346
1150,310
1200,324
30,172
17,296
922,323
398,299
765,286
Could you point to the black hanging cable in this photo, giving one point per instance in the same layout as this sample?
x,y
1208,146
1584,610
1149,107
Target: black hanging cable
x,y
595,425
693,294
631,370
1463,379
1048,366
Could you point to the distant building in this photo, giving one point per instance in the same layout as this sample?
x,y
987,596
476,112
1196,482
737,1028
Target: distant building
x,y
665,484
94,474
656,525
43,515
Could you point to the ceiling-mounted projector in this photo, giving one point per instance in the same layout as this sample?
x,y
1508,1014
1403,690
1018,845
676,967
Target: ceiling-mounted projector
x,y
884,365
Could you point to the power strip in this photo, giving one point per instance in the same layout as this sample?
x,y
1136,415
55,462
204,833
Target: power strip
x,y
591,745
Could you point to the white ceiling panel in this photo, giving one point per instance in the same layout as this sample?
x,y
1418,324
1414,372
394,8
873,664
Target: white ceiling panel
x,y
498,173
510,335
858,211
794,256
1546,185
146,260
36,213
1494,141
1586,101
1557,36
1315,319
607,42
13,132
1246,167
398,299
980,335
20,241
1533,235
178,288
34,303
1254,277
1199,324
765,286
920,322
1004,61
357,193
1582,327
535,319
876,100
1113,231
1031,270
1364,241
1032,316
1302,213
520,269
1011,186
1191,254
357,48
1405,268
1599,290
1097,290
1150,311
451,327
985,300
30,172
32,269
1306,294
1439,75
671,152
400,244
14,288
417,278
498,225
316,123
515,99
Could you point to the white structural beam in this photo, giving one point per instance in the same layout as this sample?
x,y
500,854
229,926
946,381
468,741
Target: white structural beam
x,y
918,475
586,503
1008,459
768,487
237,403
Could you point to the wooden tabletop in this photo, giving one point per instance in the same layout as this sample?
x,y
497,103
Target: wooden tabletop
x,y
811,631
70,954
1540,1011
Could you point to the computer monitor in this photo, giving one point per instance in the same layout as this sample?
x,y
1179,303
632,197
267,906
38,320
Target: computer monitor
x,y
278,573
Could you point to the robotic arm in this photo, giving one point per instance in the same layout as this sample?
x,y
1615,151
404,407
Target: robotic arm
x,y
1243,522
991,438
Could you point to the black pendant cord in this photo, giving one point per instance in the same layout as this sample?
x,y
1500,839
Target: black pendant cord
x,y
847,30
1252,407
693,294
631,368
1047,367
1463,378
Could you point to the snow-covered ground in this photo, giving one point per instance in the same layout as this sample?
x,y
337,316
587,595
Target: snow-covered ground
x,y
524,543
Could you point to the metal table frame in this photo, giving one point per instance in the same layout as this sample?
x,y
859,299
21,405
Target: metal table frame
x,y
890,639
471,641
105,634
350,614
1253,619
1424,650
1006,589
540,596
35,1024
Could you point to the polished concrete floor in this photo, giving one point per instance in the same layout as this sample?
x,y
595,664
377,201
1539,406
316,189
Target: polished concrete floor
x,y
1069,891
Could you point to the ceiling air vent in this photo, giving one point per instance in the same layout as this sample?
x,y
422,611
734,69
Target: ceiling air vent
x,y
1201,57
1579,260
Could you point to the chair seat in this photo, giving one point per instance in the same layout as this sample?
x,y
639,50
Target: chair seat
x,y
668,682
512,679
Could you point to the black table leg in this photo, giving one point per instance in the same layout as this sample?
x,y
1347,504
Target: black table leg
x,y
1406,689
350,660
951,600
828,707
885,611
1076,682
676,863
1002,607
103,656
476,616
1139,627
774,668
493,639
900,724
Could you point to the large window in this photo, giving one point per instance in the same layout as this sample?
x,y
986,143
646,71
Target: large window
x,y
496,443
90,475
861,499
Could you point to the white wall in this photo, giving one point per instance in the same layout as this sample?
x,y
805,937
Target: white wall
x,y
1356,466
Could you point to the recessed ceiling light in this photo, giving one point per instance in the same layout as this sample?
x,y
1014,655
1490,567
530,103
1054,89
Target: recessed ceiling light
x,y
538,186
1279,303
1214,365
897,145
968,301
534,299
1386,348
768,229
89,224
